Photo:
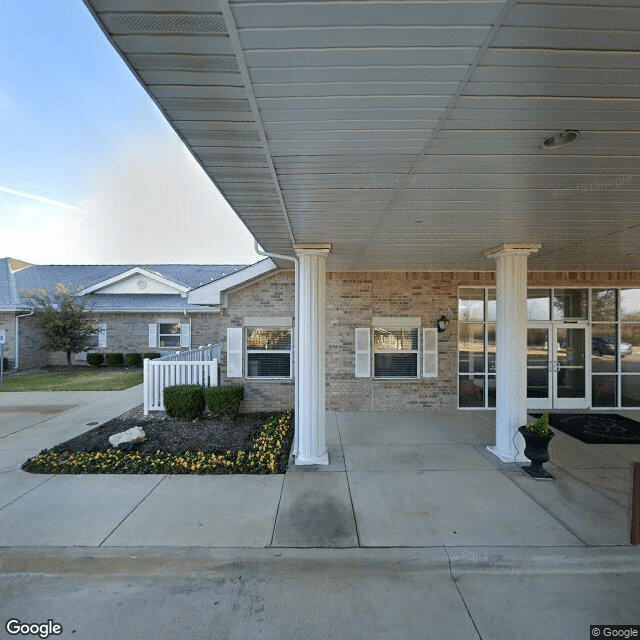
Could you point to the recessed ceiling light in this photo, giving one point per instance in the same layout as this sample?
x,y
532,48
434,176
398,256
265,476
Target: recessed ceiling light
x,y
560,139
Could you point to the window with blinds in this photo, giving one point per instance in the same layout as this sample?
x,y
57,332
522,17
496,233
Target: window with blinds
x,y
268,352
395,352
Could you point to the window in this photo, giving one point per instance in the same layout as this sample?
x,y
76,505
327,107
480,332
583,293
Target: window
x,y
570,304
268,352
476,348
614,318
629,347
99,337
168,335
538,304
401,349
615,345
395,352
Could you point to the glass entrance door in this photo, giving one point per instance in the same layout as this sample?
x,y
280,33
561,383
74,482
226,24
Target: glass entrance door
x,y
539,392
570,367
557,366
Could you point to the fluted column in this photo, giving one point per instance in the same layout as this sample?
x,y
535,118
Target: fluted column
x,y
310,446
511,346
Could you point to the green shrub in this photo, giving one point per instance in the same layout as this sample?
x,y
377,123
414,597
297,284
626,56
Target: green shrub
x,y
134,359
115,359
152,355
184,402
540,426
224,401
95,359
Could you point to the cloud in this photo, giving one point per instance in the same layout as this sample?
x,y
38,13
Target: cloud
x,y
156,204
43,199
43,234
147,201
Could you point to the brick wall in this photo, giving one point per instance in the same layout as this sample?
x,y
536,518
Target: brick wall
x,y
270,297
353,299
32,353
126,333
129,333
7,324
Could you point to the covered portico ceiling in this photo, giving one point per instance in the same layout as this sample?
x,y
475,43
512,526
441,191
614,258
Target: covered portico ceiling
x,y
406,134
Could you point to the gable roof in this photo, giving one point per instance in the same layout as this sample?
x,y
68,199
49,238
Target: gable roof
x,y
213,292
90,278
9,298
130,273
188,276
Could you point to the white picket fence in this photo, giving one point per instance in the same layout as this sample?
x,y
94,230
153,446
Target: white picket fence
x,y
202,354
189,367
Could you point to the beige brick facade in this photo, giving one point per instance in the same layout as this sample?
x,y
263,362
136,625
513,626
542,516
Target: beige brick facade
x,y
352,300
126,333
129,333
7,325
31,353
270,297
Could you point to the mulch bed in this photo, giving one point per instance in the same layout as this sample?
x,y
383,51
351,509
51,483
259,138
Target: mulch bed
x,y
168,435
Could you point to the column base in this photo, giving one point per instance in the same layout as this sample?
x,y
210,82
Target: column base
x,y
507,456
323,459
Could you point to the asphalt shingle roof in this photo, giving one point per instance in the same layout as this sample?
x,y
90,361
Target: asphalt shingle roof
x,y
187,275
7,286
46,277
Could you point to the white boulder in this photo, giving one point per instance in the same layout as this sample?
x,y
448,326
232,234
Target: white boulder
x,y
133,435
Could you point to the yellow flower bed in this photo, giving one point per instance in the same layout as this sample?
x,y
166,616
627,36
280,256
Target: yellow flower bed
x,y
267,455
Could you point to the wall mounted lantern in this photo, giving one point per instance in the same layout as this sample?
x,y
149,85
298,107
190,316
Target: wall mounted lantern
x,y
443,323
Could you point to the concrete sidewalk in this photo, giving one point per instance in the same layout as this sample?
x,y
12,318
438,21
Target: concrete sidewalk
x,y
413,531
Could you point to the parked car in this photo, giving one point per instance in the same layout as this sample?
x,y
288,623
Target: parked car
x,y
606,346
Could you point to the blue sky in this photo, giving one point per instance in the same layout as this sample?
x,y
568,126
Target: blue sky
x,y
90,172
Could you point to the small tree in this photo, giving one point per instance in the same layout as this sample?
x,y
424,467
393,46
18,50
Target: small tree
x,y
67,323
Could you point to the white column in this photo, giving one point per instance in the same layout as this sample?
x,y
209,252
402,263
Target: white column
x,y
511,347
310,446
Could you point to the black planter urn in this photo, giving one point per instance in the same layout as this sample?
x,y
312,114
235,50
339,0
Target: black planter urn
x,y
537,450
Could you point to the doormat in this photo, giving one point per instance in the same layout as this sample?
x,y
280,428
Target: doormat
x,y
597,428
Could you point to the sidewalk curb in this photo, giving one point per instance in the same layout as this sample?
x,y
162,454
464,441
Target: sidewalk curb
x,y
187,561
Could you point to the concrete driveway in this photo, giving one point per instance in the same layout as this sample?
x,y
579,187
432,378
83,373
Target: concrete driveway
x,y
413,531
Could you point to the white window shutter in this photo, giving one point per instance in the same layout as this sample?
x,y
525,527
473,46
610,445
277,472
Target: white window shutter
x,y
102,335
153,335
185,335
234,352
363,352
430,353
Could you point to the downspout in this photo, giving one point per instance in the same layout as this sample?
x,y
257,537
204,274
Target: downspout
x,y
296,413
186,315
17,337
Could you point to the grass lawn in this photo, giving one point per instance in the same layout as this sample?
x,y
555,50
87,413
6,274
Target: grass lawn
x,y
80,380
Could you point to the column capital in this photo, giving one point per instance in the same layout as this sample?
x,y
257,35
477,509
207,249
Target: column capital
x,y
312,249
514,249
